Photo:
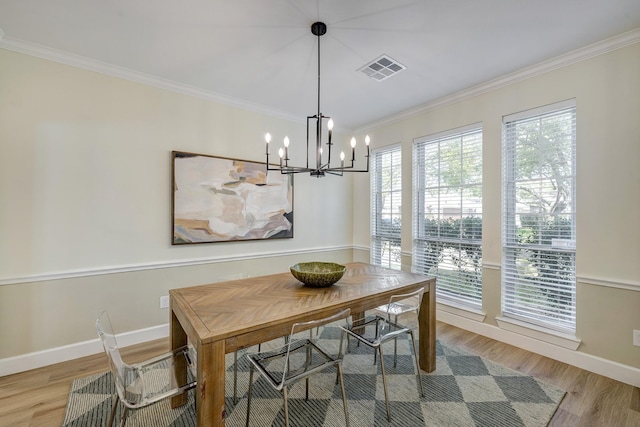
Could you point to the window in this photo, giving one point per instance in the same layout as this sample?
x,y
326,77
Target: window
x,y
386,204
447,204
539,234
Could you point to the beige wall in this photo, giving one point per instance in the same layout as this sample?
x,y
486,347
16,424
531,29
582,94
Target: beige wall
x,y
607,93
49,314
85,188
85,197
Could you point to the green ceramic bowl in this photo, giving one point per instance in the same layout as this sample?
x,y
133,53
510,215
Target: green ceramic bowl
x,y
318,274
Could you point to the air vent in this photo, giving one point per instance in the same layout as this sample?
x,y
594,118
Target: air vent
x,y
382,68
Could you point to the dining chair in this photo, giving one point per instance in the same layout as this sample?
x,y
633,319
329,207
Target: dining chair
x,y
142,384
235,374
398,308
299,359
379,329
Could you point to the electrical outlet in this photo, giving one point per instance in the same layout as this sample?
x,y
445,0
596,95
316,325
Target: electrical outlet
x,y
164,301
636,337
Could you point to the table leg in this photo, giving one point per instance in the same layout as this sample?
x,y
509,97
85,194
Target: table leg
x,y
427,328
178,339
210,410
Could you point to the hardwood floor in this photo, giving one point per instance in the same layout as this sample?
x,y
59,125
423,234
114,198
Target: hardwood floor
x,y
39,397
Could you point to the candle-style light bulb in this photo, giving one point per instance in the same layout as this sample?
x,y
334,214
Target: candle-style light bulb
x,y
267,138
281,153
353,150
367,140
330,124
342,156
286,150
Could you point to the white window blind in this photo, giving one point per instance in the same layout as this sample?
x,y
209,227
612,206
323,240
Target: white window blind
x,y
386,205
447,213
539,233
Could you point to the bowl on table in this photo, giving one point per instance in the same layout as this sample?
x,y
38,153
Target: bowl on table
x,y
318,274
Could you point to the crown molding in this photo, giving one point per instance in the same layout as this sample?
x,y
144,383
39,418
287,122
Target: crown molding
x,y
578,55
596,49
40,51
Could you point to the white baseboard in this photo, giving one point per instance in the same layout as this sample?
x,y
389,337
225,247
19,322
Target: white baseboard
x,y
25,362
617,371
607,368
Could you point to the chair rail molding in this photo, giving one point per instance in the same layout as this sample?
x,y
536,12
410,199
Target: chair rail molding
x,y
162,264
630,285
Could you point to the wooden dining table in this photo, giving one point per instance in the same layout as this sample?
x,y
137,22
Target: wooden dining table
x,y
223,317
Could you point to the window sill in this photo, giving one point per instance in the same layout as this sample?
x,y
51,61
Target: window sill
x,y
460,310
552,337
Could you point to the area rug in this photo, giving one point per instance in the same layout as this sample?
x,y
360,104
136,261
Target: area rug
x,y
464,390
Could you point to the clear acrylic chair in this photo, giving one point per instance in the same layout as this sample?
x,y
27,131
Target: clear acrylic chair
x,y
235,371
145,383
299,359
379,329
395,309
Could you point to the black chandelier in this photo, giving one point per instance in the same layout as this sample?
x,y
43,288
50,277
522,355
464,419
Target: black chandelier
x,y
318,29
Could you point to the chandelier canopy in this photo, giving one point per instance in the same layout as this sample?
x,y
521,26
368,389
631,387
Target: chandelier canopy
x,y
322,165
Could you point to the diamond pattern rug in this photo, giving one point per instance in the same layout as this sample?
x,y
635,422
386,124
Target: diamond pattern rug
x,y
464,390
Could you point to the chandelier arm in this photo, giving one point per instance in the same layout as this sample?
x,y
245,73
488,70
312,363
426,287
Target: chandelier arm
x,y
349,168
345,169
292,169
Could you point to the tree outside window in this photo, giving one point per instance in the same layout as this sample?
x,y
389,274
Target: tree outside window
x,y
448,213
539,218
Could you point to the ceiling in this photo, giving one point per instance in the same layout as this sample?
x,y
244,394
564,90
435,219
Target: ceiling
x,y
261,53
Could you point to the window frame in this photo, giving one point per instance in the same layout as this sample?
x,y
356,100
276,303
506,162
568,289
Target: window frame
x,y
382,238
447,292
562,250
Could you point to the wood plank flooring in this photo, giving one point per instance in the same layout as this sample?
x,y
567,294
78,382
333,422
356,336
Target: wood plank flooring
x,y
39,397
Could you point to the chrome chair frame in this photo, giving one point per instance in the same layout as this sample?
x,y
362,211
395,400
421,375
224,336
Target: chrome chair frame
x,y
320,360
386,330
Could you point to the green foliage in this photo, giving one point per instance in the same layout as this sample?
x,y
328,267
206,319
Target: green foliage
x,y
540,229
467,228
545,268
391,230
459,248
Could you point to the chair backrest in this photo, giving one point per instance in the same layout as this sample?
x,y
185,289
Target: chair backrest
x,y
295,339
404,303
118,368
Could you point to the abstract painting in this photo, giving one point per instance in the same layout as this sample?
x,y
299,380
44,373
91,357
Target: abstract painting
x,y
218,199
